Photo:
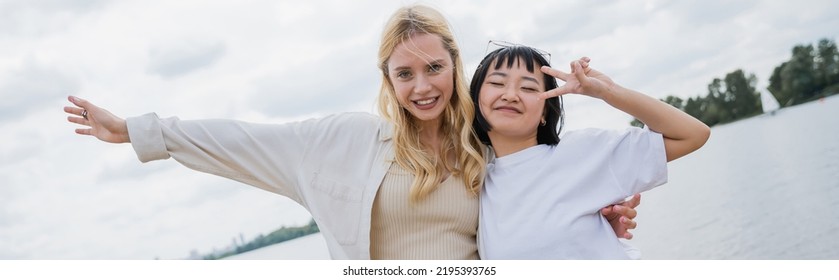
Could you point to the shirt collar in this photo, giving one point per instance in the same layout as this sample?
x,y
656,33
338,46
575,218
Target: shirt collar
x,y
385,130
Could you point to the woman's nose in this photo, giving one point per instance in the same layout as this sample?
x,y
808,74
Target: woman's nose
x,y
510,95
422,85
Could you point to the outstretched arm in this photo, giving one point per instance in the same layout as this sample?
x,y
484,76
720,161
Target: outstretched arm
x,y
265,156
682,133
99,122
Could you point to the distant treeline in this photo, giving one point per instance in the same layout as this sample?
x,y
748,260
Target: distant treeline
x,y
811,73
277,236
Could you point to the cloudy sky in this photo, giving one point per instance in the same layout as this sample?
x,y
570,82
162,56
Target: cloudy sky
x,y
64,196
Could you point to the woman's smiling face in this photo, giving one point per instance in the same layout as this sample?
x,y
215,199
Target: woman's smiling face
x,y
509,101
421,71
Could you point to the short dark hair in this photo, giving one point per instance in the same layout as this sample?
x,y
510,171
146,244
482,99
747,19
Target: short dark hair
x,y
554,111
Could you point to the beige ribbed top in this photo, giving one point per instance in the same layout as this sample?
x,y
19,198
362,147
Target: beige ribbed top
x,y
441,226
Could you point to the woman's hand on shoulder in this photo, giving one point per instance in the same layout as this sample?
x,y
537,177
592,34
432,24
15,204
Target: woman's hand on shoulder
x,y
98,122
621,216
582,80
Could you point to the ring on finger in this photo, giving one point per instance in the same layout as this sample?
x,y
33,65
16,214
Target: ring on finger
x,y
84,114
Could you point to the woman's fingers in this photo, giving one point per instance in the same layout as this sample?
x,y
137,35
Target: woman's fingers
x,y
583,65
82,106
586,68
78,120
621,219
76,113
624,211
629,223
634,202
564,89
570,86
83,131
556,73
585,61
79,102
76,116
73,110
578,72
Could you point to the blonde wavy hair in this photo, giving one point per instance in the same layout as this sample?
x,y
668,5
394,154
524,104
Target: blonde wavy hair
x,y
456,123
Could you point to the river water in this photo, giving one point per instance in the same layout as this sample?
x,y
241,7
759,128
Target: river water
x,y
761,188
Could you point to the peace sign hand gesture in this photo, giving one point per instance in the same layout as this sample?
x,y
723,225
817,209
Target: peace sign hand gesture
x,y
582,80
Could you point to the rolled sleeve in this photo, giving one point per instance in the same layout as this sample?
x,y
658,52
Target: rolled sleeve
x,y
147,137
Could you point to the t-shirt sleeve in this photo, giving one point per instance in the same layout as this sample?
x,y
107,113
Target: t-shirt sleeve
x,y
638,160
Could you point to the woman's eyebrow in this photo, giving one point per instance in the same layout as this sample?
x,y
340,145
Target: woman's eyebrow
x,y
502,74
531,79
436,61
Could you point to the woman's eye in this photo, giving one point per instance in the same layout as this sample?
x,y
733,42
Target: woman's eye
x,y
435,68
498,84
529,89
403,75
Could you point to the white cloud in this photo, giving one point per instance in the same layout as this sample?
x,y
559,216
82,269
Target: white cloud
x,y
338,83
70,197
24,89
181,60
39,17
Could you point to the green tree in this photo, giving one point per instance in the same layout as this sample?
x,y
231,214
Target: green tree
x,y
827,63
809,74
742,99
277,236
717,104
692,107
674,101
710,111
799,77
776,86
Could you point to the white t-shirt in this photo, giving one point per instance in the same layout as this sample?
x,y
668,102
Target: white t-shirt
x,y
544,202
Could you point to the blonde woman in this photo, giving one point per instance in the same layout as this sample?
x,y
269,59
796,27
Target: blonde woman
x,y
403,185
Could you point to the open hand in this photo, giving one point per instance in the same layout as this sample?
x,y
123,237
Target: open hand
x,y
98,122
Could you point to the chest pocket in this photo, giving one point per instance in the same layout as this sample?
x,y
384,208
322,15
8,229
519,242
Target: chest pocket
x,y
339,206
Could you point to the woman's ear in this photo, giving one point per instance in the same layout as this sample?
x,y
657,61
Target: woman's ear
x,y
544,114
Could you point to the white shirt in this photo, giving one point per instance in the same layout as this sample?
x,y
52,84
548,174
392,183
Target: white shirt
x,y
544,202
332,166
